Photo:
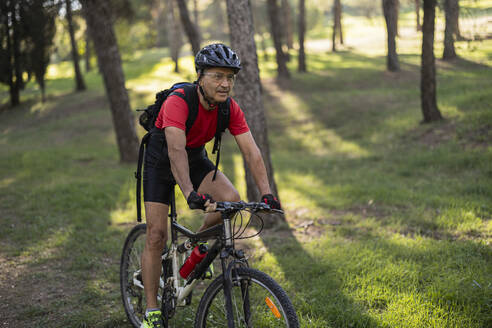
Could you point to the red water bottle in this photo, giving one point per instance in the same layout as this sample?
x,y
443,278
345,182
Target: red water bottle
x,y
199,252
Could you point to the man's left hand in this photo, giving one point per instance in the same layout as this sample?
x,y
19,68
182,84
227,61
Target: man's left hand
x,y
272,201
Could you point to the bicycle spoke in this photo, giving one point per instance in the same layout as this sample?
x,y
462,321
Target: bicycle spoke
x,y
254,304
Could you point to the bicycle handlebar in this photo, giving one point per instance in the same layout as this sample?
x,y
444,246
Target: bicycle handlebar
x,y
241,205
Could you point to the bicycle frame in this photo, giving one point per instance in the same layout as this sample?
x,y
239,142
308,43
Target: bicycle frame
x,y
224,244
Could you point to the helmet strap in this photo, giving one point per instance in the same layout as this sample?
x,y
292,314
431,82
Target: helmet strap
x,y
208,100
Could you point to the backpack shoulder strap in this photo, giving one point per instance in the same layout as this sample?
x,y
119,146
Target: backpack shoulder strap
x,y
191,98
222,124
224,115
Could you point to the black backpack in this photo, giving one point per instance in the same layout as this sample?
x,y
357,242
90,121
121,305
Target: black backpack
x,y
149,116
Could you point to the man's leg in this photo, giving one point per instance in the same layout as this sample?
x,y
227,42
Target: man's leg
x,y
156,219
221,190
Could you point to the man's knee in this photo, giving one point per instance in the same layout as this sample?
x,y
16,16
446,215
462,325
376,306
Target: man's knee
x,y
156,237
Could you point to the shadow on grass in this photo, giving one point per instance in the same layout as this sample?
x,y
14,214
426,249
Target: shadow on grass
x,y
320,303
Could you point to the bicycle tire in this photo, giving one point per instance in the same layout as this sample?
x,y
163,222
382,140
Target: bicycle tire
x,y
133,296
211,310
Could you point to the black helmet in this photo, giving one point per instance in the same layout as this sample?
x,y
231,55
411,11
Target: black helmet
x,y
217,55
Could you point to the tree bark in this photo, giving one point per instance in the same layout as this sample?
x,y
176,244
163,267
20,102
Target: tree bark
x,y
87,51
450,9
79,80
391,18
273,13
99,21
337,24
428,68
302,31
248,88
190,28
417,11
173,33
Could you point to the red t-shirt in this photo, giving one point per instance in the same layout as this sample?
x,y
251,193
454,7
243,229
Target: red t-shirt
x,y
174,112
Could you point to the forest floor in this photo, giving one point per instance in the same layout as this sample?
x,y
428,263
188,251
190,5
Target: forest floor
x,y
389,220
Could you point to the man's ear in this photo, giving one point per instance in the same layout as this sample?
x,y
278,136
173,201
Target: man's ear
x,y
199,77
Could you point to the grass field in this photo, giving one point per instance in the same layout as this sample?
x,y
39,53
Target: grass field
x,y
389,220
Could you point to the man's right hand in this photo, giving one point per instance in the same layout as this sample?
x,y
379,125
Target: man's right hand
x,y
197,201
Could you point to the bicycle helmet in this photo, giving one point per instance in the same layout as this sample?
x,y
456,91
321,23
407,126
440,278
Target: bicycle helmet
x,y
217,55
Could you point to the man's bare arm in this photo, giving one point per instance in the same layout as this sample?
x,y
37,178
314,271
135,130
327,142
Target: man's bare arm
x,y
252,155
176,146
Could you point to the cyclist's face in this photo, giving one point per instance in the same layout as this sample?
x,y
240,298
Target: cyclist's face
x,y
217,83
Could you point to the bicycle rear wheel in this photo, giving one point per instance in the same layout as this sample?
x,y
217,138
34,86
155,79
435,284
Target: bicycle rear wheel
x,y
131,284
257,301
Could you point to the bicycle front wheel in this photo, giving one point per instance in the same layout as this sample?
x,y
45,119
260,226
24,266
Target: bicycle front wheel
x,y
257,301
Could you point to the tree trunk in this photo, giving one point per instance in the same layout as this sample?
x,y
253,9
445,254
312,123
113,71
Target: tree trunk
x,y
87,51
391,18
450,7
190,28
417,11
248,88
13,89
19,83
428,68
79,80
337,24
99,21
264,47
159,15
302,31
287,18
195,11
173,33
221,26
456,20
43,90
340,30
397,13
273,13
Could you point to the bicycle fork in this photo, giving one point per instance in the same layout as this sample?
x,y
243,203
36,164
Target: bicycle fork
x,y
227,276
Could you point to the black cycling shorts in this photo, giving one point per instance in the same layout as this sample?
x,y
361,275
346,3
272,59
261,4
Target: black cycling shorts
x,y
158,180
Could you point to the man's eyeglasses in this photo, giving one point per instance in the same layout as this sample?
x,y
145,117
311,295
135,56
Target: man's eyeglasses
x,y
219,77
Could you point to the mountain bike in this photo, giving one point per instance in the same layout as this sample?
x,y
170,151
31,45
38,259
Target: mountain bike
x,y
238,297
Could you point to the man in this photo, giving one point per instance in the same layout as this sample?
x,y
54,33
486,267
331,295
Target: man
x,y
176,155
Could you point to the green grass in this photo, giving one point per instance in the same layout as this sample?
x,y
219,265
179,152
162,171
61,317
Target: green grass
x,y
401,212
